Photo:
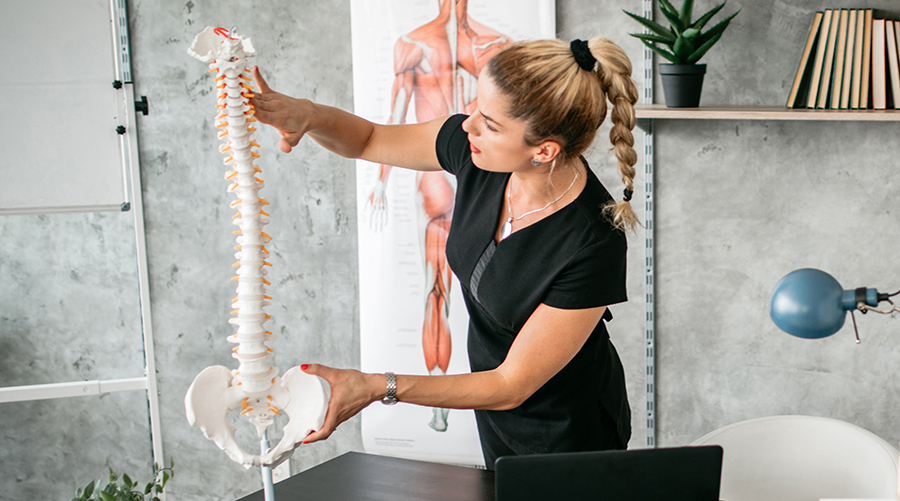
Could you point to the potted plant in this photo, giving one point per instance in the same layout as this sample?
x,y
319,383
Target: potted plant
x,y
129,490
684,43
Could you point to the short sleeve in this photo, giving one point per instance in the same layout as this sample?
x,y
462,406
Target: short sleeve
x,y
595,277
452,145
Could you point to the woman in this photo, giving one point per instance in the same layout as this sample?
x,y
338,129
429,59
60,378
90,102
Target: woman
x,y
536,241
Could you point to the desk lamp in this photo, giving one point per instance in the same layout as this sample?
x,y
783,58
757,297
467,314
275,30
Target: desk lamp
x,y
811,304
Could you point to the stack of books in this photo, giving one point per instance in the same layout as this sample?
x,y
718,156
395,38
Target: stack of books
x,y
849,61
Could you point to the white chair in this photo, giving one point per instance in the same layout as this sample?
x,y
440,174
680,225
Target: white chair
x,y
803,458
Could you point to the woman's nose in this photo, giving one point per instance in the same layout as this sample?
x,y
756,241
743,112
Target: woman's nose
x,y
468,124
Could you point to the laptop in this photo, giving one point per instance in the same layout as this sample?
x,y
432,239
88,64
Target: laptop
x,y
671,474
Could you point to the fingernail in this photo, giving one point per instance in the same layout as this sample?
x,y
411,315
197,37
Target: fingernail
x,y
305,442
303,368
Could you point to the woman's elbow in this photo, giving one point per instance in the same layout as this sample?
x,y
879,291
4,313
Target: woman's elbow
x,y
511,399
507,405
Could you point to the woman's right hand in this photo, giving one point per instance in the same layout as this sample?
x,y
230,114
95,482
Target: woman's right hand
x,y
287,114
351,392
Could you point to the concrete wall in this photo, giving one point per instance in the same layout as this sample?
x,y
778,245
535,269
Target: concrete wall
x,y
739,204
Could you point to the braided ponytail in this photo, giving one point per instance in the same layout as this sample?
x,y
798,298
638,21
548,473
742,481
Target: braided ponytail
x,y
614,71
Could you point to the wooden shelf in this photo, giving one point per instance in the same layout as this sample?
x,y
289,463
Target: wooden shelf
x,y
661,112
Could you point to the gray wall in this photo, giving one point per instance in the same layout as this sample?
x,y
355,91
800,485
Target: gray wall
x,y
739,204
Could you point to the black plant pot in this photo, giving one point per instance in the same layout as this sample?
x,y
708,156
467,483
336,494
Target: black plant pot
x,y
682,84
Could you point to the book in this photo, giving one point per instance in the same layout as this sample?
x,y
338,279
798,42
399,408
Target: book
x,y
848,61
828,65
857,60
896,74
865,83
800,87
879,77
837,75
815,79
893,72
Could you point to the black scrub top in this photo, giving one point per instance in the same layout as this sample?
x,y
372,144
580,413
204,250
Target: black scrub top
x,y
574,258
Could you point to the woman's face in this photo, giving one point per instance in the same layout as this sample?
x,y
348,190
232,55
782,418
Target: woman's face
x,y
497,141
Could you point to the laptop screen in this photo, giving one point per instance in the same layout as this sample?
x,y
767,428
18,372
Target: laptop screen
x,y
673,474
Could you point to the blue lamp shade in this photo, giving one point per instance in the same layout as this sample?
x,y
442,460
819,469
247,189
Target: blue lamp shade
x,y
810,303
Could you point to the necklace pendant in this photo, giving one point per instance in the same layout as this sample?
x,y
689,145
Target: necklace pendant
x,y
506,229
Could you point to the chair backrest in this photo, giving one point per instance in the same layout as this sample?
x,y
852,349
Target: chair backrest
x,y
803,458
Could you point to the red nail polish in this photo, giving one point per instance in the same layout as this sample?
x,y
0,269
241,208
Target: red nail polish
x,y
303,368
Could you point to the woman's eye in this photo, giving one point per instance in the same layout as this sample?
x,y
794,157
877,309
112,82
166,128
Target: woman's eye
x,y
489,127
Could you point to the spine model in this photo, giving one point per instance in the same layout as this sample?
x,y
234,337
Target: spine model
x,y
255,388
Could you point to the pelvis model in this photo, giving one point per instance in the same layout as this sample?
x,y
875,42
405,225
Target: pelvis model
x,y
255,388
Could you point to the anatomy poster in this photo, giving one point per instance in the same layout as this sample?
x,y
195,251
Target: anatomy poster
x,y
415,60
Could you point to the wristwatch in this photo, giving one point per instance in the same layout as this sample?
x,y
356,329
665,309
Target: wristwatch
x,y
391,397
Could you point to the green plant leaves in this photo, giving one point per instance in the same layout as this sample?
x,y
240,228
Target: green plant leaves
x,y
717,29
113,491
650,38
686,41
697,54
678,24
683,48
656,28
664,53
686,11
700,23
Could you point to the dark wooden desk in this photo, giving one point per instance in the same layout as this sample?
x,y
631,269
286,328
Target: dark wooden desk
x,y
360,477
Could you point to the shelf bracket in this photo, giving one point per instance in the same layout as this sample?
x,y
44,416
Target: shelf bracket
x,y
645,124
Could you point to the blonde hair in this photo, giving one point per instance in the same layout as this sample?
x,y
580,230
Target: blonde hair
x,y
559,100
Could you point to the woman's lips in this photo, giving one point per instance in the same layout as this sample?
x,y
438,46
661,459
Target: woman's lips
x,y
474,149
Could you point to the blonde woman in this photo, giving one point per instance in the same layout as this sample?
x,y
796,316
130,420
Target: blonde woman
x,y
536,241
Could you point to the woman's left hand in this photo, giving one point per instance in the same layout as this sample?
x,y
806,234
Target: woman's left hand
x,y
351,392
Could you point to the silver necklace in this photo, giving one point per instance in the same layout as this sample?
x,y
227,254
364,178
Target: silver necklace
x,y
506,229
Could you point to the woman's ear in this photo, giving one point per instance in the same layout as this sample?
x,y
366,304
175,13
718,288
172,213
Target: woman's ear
x,y
548,151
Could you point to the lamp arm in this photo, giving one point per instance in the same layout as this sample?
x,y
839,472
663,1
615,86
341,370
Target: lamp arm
x,y
864,308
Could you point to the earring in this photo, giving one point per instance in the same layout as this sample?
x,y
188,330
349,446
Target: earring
x,y
535,162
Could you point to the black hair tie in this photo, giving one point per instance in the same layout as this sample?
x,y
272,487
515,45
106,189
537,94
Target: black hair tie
x,y
583,55
628,194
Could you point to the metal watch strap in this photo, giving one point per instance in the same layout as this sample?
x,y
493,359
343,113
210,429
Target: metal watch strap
x,y
390,398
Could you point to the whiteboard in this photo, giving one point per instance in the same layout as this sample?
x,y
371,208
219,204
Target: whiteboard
x,y
58,108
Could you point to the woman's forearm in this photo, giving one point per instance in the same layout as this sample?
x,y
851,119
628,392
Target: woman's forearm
x,y
337,130
488,390
353,391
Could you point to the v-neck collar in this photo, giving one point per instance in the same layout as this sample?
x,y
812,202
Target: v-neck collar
x,y
499,211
